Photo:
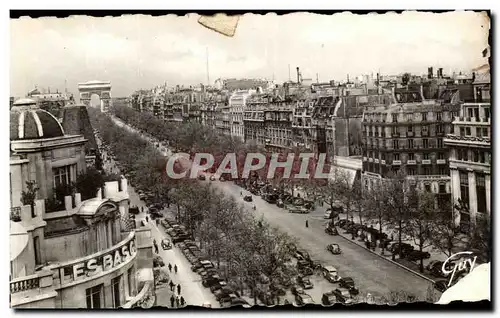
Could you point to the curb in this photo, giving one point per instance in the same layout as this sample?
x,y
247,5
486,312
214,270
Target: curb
x,y
390,260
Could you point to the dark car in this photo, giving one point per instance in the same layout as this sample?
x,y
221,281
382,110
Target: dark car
x,y
418,255
342,295
346,282
134,210
403,249
436,268
304,267
305,282
202,177
441,285
248,198
166,244
303,299
328,299
219,285
331,231
210,281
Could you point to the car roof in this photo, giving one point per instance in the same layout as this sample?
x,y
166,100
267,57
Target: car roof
x,y
330,268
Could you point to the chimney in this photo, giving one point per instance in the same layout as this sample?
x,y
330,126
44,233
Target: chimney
x,y
422,91
440,72
473,76
430,72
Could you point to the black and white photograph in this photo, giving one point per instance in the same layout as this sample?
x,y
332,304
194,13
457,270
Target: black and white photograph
x,y
299,160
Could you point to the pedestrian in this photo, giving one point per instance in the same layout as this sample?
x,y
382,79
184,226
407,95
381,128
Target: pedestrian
x,y
147,219
307,223
175,268
172,300
169,267
171,286
254,207
241,193
182,301
177,301
179,289
142,209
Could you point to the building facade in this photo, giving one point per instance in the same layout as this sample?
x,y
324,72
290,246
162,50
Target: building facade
x,y
237,105
408,135
469,144
77,254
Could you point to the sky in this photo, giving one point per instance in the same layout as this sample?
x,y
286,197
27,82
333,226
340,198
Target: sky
x,y
139,52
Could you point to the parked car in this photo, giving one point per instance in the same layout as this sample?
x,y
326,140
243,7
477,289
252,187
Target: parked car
x,y
435,268
248,198
202,177
304,267
334,249
401,250
210,281
331,231
166,244
328,299
418,255
343,296
346,282
158,262
305,282
303,299
441,285
219,285
134,210
330,273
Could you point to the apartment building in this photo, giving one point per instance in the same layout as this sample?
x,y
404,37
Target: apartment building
x,y
79,253
469,144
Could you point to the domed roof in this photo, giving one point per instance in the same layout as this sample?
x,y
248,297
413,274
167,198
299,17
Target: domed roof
x,y
27,121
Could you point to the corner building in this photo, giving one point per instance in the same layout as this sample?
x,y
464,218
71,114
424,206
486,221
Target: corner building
x,y
77,253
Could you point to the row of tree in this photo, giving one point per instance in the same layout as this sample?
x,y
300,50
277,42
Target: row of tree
x,y
246,247
397,202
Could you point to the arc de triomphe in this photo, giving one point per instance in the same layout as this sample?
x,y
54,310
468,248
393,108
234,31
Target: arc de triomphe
x,y
100,88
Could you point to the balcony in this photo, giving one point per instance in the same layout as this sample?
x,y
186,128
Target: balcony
x,y
441,161
370,159
395,135
396,162
33,291
426,161
382,162
376,161
411,162
365,159
424,133
409,134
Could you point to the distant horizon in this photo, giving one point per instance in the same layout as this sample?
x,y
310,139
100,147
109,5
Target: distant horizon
x,y
137,52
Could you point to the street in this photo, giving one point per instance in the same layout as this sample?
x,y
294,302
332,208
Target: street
x,y
371,274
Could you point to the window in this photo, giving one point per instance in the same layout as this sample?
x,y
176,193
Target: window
x,y
425,129
424,116
426,156
396,156
36,246
464,187
410,143
440,156
475,156
442,188
95,297
462,132
394,118
439,129
62,175
439,116
428,188
411,156
115,289
482,157
427,171
131,281
425,143
411,171
481,192
487,113
410,129
395,143
394,130
485,133
440,143
479,131
467,131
